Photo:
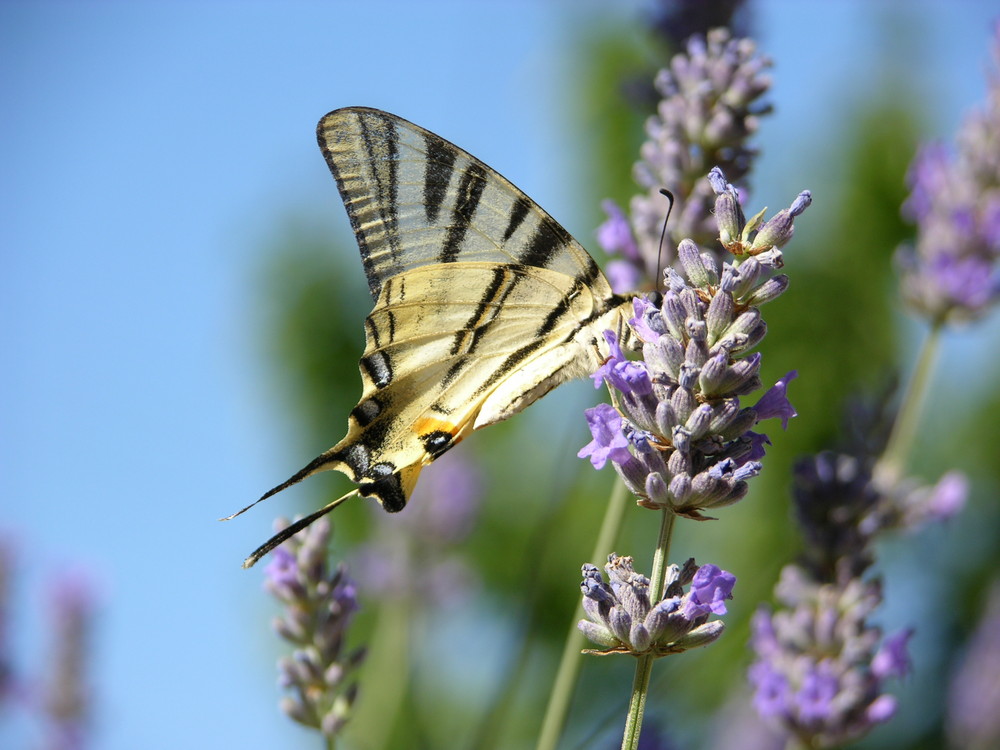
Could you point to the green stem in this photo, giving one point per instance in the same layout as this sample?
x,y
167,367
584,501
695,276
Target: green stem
x,y
891,465
387,666
644,665
569,664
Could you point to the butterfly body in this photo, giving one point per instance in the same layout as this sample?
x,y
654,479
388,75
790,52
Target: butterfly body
x,y
483,302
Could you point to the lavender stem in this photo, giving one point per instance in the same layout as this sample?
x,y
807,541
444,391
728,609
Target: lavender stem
x,y
644,664
891,465
569,664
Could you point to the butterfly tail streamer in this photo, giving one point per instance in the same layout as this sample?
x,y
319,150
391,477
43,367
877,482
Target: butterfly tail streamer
x,y
293,529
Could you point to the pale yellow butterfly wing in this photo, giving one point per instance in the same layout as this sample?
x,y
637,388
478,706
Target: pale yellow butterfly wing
x,y
484,302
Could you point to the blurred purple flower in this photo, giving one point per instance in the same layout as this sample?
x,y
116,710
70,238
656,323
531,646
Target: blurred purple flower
x,y
973,721
948,496
950,272
6,660
67,699
818,675
615,235
893,659
319,607
440,516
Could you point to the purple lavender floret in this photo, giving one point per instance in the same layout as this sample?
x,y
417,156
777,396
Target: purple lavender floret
x,y
775,403
609,441
622,620
710,588
627,376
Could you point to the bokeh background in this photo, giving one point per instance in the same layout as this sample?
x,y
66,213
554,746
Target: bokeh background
x,y
182,305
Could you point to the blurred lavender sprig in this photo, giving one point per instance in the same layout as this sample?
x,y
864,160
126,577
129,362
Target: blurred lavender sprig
x,y
67,700
841,511
973,722
6,665
319,606
679,20
622,619
709,108
58,699
821,667
951,273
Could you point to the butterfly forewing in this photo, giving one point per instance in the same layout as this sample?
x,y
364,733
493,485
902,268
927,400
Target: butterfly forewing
x,y
483,302
415,199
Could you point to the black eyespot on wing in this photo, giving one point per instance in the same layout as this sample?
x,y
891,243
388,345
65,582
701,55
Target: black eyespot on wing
x,y
437,442
388,490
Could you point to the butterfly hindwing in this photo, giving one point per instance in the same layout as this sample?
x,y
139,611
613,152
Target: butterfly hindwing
x,y
442,358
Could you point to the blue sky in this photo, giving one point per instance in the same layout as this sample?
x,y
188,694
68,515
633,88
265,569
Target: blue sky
x,y
150,153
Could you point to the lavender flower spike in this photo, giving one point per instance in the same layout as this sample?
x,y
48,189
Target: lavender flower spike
x,y
622,620
818,674
709,109
318,609
951,272
678,434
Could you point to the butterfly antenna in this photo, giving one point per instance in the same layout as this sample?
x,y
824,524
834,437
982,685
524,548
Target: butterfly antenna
x,y
663,236
318,464
292,530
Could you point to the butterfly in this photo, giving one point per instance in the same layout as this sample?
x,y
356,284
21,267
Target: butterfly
x,y
483,303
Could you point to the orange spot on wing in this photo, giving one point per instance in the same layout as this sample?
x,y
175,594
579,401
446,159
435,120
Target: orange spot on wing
x,y
427,425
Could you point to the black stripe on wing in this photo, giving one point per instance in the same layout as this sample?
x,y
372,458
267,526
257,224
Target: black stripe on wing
x,y
437,175
517,215
381,141
551,321
548,240
470,192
